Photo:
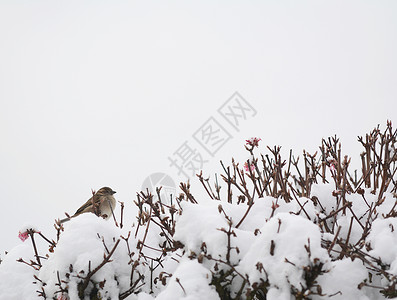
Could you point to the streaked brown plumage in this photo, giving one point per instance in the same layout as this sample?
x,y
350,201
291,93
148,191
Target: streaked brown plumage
x,y
104,204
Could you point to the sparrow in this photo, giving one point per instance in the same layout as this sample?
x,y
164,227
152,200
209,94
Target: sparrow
x,y
104,204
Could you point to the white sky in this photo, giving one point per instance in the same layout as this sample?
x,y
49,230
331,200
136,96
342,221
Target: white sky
x,y
101,93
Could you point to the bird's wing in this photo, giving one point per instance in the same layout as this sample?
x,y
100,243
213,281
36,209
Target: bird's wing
x,y
84,207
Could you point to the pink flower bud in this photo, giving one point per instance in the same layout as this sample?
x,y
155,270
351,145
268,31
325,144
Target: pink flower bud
x,y
246,168
23,236
254,141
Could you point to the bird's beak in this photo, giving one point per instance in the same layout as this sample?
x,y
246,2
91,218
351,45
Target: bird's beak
x,y
114,192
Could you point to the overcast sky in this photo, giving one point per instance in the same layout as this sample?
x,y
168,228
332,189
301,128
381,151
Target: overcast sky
x,y
105,93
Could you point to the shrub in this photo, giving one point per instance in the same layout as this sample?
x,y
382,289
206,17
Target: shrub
x,y
307,227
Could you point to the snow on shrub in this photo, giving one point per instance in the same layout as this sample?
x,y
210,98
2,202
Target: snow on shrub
x,y
295,228
292,240
80,250
196,279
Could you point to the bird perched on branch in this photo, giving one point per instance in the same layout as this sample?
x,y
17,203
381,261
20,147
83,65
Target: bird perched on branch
x,y
102,203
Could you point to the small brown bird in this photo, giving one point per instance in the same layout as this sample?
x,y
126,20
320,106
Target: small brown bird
x,y
102,203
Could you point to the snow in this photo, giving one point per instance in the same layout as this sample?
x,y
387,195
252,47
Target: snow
x,y
193,283
16,278
383,241
81,244
271,248
283,238
344,277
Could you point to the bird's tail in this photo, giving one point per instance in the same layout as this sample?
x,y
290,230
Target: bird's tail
x,y
64,220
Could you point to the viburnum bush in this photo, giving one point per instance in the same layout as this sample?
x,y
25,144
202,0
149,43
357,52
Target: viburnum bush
x,y
267,228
